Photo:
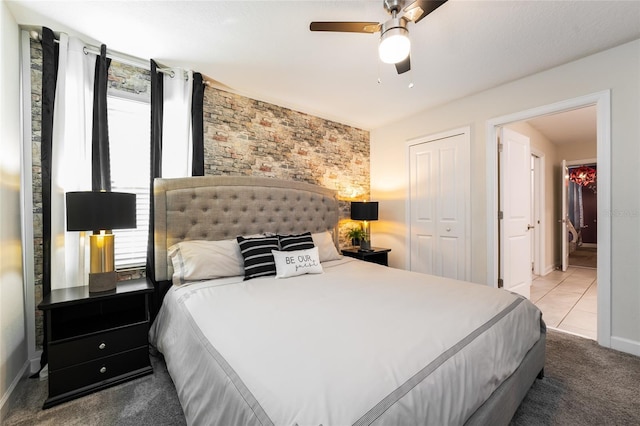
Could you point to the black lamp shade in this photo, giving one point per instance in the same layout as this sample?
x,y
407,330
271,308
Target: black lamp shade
x,y
364,210
95,211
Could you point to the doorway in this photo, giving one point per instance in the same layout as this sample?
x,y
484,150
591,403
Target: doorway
x,y
601,102
582,214
567,299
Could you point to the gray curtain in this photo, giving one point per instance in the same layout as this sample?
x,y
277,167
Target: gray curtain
x,y
49,76
156,156
197,125
100,169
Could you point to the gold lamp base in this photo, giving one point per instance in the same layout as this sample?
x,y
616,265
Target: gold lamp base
x,y
102,275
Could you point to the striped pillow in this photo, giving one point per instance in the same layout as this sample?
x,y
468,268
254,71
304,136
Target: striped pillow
x,y
296,242
258,259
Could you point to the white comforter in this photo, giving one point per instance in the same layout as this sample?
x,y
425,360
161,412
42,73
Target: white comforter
x,y
358,344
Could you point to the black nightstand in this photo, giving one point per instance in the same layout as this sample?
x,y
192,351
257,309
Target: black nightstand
x,y
376,255
96,340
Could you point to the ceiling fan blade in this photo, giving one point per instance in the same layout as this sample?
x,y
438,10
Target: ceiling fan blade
x,y
414,14
404,66
346,27
427,6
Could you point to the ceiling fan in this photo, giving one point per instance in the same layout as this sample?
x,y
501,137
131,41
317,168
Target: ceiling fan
x,y
394,47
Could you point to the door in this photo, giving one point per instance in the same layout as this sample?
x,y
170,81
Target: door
x,y
537,211
564,221
515,207
439,187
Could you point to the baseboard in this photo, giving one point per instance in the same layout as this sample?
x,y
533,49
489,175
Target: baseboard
x,y
549,269
625,345
7,399
35,362
30,367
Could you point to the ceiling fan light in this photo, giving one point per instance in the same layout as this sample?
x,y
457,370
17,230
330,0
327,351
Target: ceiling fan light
x,y
394,45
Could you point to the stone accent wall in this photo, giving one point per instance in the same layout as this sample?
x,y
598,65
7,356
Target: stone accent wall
x,y
243,136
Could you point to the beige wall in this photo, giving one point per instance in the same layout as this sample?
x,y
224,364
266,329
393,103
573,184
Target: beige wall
x,y
576,151
13,339
616,69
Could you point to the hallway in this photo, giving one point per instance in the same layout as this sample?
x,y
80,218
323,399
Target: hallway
x,y
568,300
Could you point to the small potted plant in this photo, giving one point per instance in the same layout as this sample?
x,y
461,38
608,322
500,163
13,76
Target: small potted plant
x,y
357,235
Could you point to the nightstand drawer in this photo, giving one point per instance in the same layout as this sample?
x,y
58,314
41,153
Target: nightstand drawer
x,y
99,345
95,372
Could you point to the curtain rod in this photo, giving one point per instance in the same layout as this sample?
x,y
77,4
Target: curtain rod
x,y
132,60
127,59
120,57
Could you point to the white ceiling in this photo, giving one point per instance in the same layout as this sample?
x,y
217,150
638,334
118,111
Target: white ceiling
x,y
264,49
578,125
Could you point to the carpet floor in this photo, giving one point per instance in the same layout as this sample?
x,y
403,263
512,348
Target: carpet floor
x,y
584,384
149,400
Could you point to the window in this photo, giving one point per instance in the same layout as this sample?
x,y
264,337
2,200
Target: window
x,y
129,148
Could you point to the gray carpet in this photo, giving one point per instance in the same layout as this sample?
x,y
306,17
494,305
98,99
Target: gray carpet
x,y
149,400
584,384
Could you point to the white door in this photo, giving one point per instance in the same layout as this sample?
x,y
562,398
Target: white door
x,y
439,185
532,215
564,222
515,201
537,203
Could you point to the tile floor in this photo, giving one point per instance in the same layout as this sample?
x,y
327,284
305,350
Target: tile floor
x,y
568,300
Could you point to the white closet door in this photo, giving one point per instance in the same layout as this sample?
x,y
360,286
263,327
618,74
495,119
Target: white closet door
x,y
439,200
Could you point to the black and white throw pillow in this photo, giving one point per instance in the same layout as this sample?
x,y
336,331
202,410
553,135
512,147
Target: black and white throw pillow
x,y
296,242
258,259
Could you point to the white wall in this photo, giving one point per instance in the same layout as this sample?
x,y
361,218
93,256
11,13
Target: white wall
x,y
13,338
617,69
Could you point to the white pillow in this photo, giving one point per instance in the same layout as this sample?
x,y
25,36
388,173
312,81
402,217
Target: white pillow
x,y
201,260
326,247
298,262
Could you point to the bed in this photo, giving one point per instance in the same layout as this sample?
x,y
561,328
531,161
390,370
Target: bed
x,y
328,340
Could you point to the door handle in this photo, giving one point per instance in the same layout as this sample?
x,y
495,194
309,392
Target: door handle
x,y
530,227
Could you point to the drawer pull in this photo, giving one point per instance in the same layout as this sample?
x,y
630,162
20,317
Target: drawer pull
x,y
102,346
103,370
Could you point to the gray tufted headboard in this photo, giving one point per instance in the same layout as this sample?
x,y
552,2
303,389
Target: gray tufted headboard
x,y
223,207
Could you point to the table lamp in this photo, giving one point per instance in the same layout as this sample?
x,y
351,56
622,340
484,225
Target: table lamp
x,y
101,212
365,211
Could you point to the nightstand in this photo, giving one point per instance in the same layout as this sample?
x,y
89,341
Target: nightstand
x,y
376,255
96,340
